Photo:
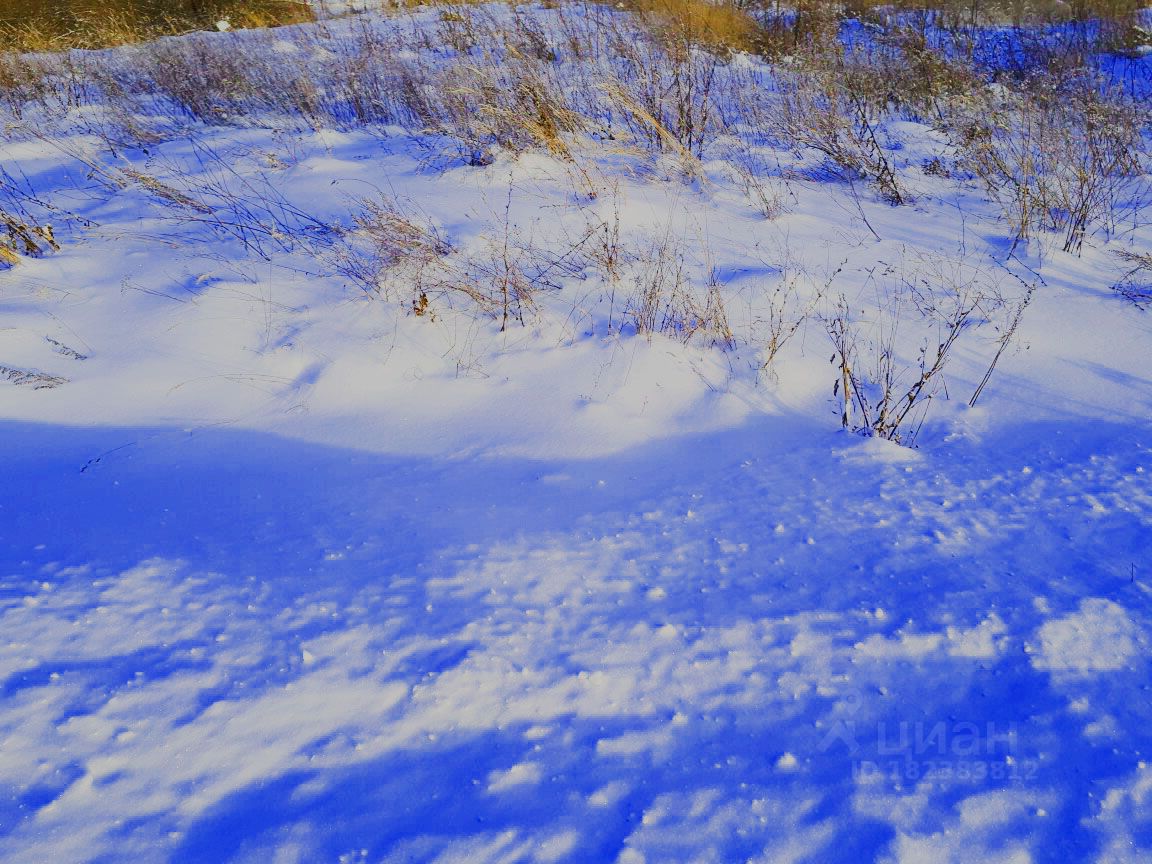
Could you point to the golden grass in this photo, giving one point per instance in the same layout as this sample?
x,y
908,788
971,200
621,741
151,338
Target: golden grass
x,y
36,25
19,237
716,26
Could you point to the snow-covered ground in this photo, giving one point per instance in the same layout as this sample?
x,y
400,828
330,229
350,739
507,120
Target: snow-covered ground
x,y
289,573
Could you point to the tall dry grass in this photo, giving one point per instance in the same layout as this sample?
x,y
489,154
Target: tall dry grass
x,y
35,25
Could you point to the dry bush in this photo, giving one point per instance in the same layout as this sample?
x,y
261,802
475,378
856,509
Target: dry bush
x,y
397,253
502,275
361,90
943,301
639,86
797,27
460,28
1135,285
1044,34
661,302
207,79
832,106
666,99
783,309
603,249
1060,155
712,325
647,127
920,79
501,280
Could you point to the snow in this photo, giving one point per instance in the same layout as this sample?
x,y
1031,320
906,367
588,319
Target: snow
x,y
1100,637
289,574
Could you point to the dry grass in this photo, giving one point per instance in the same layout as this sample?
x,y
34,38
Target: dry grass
x,y
33,25
683,25
651,129
389,250
397,253
665,302
23,238
25,231
487,105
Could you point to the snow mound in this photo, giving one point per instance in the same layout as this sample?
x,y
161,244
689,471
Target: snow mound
x,y
1100,637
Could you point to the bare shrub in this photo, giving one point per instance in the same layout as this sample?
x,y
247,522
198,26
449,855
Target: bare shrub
x,y
943,301
649,127
1135,285
713,327
1057,156
783,309
505,272
501,280
918,77
831,106
397,253
789,29
606,251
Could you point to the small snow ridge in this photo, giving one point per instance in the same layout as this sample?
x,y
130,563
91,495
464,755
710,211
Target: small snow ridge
x,y
518,775
874,450
983,641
